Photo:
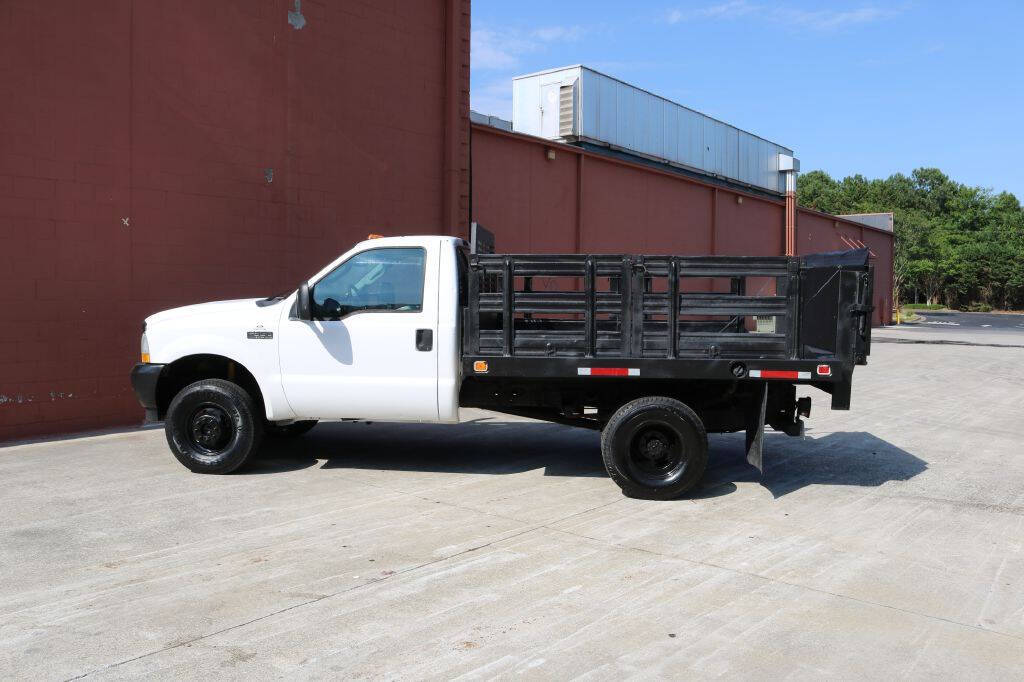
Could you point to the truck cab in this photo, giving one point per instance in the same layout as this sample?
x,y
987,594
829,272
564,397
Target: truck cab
x,y
379,339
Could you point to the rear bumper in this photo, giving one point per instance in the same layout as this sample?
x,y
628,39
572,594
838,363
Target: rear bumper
x,y
144,380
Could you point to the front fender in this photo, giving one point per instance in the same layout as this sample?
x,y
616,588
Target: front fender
x,y
258,356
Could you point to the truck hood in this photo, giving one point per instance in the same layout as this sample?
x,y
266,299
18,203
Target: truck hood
x,y
220,308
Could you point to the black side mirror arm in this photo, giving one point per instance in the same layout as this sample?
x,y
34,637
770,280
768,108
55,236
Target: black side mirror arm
x,y
304,303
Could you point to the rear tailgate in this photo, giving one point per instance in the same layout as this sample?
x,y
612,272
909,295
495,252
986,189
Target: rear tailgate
x,y
863,309
835,314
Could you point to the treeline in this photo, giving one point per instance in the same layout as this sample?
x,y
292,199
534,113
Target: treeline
x,y
956,245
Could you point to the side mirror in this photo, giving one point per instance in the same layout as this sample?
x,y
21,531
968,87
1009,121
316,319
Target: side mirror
x,y
304,303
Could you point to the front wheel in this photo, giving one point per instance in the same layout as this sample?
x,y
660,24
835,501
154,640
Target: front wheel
x,y
213,427
655,448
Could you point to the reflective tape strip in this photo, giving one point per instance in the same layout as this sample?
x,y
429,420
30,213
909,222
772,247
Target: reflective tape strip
x,y
608,371
778,374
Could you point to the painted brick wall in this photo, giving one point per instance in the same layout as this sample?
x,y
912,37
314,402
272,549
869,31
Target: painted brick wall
x,y
536,204
160,153
817,232
533,203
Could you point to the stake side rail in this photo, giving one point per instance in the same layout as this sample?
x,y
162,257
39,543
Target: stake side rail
x,y
668,316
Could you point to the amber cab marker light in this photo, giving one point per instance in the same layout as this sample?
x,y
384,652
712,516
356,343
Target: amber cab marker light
x,y
480,366
374,235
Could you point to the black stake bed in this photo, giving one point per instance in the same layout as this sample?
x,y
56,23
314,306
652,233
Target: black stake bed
x,y
591,317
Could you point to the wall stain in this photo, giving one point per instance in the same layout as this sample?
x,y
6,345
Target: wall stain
x,y
295,18
21,399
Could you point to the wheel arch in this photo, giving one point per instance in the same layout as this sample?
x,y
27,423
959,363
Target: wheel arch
x,y
187,369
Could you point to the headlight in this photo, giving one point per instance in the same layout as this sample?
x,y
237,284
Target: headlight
x,y
145,348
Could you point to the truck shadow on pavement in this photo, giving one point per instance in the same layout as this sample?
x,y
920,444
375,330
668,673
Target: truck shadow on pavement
x,y
850,458
477,447
497,447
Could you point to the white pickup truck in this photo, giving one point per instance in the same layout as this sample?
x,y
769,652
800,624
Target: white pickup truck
x,y
412,328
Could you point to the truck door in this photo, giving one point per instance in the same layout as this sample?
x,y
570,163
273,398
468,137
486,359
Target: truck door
x,y
370,351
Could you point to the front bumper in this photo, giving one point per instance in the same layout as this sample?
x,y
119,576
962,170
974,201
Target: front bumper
x,y
145,376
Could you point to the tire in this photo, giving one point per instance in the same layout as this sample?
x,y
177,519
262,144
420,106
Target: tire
x,y
655,448
293,430
213,426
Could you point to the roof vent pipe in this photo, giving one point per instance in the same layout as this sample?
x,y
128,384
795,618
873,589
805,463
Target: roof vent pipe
x,y
789,167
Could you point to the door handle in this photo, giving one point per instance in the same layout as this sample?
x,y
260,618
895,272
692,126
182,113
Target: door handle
x,y
424,339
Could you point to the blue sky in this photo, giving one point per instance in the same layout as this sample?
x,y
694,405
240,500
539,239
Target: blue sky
x,y
870,88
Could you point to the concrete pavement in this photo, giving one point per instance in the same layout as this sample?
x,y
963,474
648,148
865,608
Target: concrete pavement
x,y
888,542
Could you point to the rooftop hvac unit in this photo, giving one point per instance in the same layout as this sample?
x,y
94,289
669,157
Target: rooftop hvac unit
x,y
578,104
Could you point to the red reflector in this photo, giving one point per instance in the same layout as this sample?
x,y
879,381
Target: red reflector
x,y
609,371
824,370
779,374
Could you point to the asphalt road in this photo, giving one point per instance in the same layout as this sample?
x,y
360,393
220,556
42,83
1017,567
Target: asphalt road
x,y
974,321
887,544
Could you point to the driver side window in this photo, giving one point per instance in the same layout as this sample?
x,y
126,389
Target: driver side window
x,y
385,279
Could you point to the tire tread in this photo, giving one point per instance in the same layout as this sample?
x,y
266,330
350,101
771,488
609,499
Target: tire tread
x,y
241,400
633,489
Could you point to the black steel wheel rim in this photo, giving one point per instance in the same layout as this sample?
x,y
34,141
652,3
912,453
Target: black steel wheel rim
x,y
656,454
210,429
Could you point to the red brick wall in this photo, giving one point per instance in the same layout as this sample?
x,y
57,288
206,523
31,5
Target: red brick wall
x,y
533,203
817,232
536,204
159,153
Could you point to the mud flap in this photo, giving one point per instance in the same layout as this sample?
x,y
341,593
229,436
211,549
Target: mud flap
x,y
755,427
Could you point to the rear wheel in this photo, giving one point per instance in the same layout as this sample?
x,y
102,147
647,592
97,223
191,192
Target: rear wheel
x,y
213,427
655,448
293,430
